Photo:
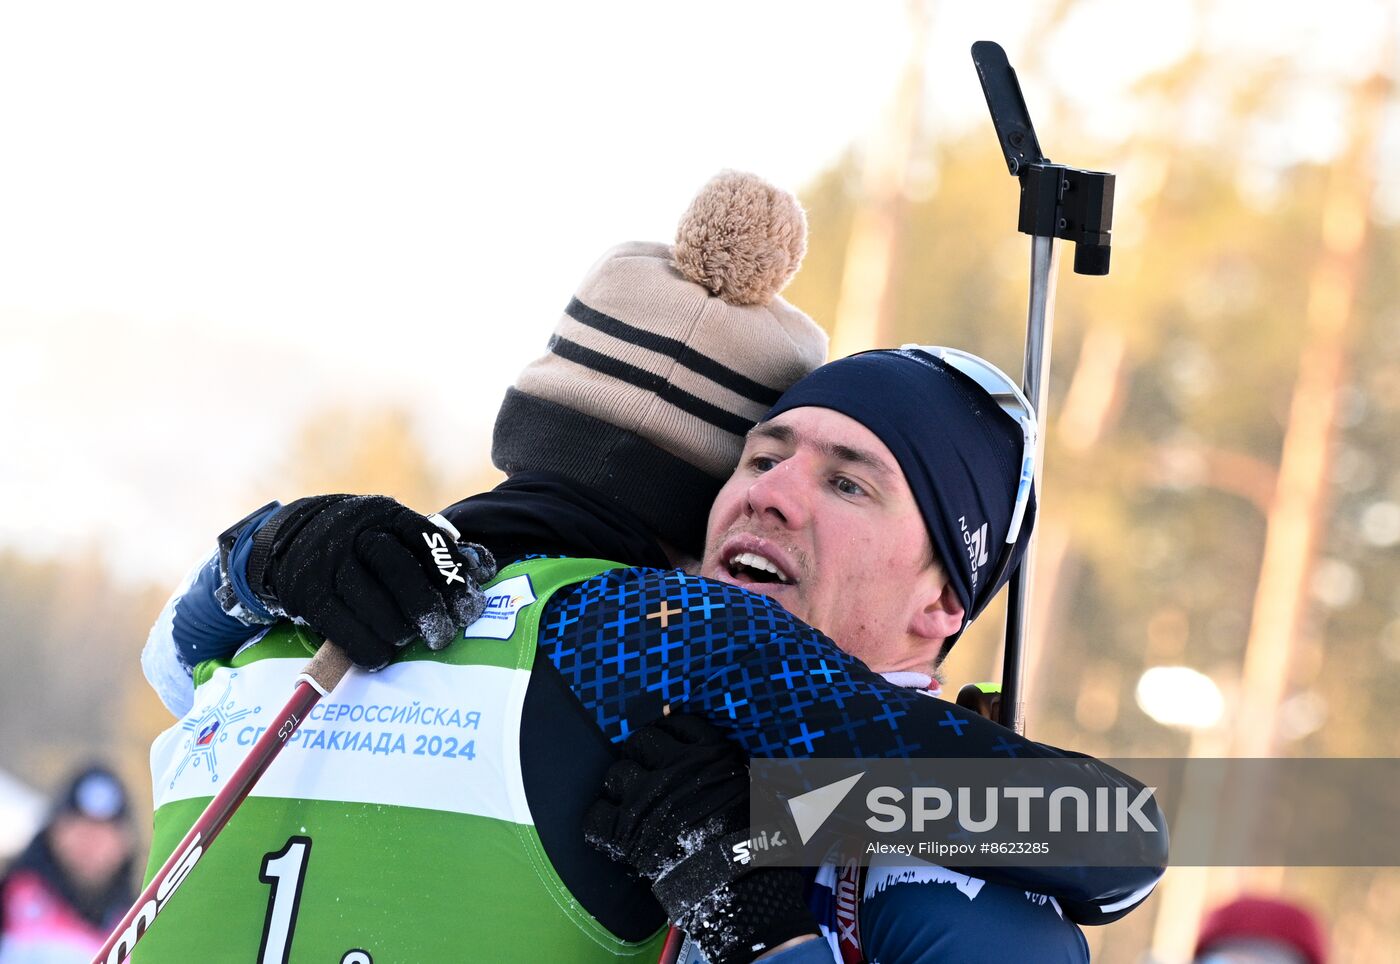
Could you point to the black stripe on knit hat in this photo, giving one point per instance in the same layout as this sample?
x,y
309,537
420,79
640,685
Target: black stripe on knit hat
x,y
675,349
671,496
657,384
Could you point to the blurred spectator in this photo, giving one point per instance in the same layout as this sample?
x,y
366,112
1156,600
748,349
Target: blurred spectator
x,y
71,885
1261,930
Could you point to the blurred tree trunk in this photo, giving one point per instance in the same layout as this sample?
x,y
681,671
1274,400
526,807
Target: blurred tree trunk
x,y
1299,504
862,311
1103,368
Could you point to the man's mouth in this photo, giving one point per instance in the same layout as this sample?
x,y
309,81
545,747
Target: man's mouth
x,y
753,567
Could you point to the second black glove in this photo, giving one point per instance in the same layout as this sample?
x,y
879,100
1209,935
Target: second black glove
x,y
368,573
674,808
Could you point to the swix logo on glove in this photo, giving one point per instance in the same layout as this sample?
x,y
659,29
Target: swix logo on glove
x,y
743,851
442,556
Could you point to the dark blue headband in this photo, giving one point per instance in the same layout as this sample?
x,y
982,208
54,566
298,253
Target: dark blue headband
x,y
960,454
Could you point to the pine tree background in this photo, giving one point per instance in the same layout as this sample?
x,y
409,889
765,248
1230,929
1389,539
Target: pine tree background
x,y
1254,283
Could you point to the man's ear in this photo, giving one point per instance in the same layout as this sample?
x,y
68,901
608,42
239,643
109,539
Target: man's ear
x,y
942,616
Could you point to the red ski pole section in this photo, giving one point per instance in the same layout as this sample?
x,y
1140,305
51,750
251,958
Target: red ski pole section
x,y
671,949
319,677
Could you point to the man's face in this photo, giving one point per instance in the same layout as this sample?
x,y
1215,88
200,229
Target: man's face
x,y
818,517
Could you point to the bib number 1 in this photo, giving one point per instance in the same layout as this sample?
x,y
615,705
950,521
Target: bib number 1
x,y
285,870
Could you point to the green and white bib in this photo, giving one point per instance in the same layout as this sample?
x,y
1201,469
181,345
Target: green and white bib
x,y
393,827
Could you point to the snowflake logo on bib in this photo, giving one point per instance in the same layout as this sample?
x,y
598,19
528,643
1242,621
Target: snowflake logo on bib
x,y
207,731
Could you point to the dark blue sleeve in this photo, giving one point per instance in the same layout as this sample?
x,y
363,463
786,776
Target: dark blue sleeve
x,y
200,628
927,915
631,641
238,563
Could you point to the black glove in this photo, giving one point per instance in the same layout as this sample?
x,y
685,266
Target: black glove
x,y
367,573
673,809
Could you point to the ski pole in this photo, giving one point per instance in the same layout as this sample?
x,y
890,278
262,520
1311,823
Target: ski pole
x,y
1056,202
316,679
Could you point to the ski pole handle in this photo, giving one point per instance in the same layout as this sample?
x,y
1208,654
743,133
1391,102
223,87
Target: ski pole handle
x,y
316,679
326,669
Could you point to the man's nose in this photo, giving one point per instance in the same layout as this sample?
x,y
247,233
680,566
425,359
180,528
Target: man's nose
x,y
782,494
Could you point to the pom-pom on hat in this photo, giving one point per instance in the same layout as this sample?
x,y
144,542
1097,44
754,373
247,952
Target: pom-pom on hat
x,y
742,239
666,357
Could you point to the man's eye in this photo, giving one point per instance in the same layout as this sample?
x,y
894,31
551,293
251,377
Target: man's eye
x,y
847,486
762,463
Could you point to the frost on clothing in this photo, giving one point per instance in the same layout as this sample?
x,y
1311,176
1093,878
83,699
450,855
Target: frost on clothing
x,y
190,629
630,641
918,913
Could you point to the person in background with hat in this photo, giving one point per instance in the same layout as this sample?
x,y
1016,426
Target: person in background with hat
x,y
1261,930
66,889
664,361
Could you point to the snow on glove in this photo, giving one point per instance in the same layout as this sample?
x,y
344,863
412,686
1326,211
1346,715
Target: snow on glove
x,y
673,809
368,573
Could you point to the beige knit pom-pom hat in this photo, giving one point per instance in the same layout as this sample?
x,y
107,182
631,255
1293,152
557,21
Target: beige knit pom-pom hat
x,y
742,239
666,357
